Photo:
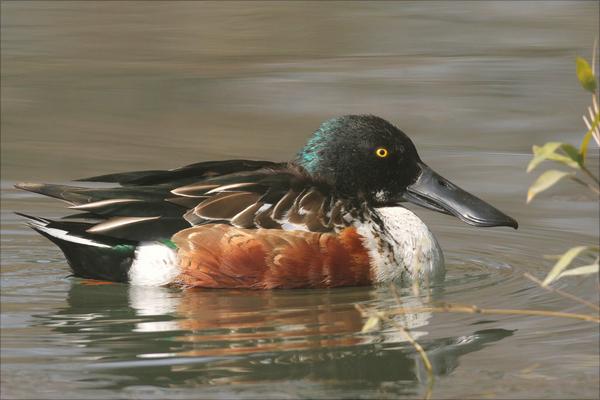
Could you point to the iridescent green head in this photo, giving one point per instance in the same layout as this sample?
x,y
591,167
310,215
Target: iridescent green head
x,y
365,157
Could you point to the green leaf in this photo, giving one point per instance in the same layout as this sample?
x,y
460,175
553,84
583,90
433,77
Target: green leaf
x,y
545,181
564,261
586,139
564,160
583,270
573,153
549,152
541,153
585,75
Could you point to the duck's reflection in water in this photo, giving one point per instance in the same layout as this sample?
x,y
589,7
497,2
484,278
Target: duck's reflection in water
x,y
178,338
242,322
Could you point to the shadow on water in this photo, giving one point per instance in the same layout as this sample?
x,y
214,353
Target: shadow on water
x,y
171,338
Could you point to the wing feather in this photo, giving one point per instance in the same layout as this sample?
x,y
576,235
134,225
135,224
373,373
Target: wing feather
x,y
283,206
225,205
152,205
245,218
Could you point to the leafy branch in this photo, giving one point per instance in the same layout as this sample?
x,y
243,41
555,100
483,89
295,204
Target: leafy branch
x,y
564,154
575,159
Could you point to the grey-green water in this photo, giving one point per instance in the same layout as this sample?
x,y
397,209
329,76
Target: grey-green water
x,y
98,87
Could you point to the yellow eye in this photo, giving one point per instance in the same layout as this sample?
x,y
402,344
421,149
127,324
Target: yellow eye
x,y
381,152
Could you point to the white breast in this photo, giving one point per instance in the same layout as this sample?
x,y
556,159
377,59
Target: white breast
x,y
401,246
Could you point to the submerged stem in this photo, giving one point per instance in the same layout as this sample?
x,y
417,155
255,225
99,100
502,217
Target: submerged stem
x,y
452,308
586,184
386,316
421,351
590,175
561,293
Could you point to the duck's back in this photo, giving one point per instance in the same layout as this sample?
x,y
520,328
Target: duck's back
x,y
186,226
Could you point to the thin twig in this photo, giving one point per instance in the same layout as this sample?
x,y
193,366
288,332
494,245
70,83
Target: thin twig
x,y
586,122
420,350
561,293
415,344
590,174
426,363
592,124
427,288
595,73
586,184
498,311
592,110
397,297
417,272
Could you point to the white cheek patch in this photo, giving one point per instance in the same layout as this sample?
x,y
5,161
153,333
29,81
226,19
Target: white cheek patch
x,y
155,264
381,196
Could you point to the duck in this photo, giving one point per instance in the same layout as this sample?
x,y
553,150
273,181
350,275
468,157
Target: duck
x,y
333,216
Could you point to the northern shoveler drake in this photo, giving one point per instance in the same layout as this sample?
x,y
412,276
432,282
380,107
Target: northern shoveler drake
x,y
331,217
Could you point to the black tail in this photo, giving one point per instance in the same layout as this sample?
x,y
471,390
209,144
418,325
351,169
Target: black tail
x,y
90,256
137,213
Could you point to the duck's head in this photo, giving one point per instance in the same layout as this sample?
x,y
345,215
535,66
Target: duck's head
x,y
366,157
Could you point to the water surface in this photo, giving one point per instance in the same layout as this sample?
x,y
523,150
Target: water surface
x,y
98,87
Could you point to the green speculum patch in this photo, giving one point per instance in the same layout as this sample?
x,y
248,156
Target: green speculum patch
x,y
169,243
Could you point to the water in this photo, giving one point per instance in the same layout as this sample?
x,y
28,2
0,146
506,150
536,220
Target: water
x,y
99,87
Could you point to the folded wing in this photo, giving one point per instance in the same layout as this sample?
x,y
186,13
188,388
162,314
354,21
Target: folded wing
x,y
153,205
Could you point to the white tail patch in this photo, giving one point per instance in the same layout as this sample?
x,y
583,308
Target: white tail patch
x,y
41,225
59,233
155,264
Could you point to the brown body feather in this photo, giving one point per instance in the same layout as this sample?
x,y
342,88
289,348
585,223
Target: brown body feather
x,y
223,256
